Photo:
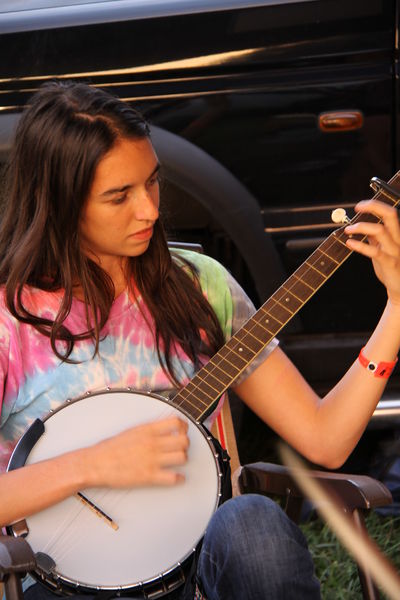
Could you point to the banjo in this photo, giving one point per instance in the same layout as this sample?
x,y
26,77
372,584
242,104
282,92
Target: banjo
x,y
141,541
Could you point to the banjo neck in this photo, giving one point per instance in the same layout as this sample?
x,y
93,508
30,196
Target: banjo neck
x,y
201,394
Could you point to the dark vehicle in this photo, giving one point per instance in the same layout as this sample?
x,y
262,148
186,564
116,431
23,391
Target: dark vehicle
x,y
267,115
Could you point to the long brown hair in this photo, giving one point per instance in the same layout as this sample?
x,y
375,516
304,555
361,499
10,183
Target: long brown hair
x,y
67,129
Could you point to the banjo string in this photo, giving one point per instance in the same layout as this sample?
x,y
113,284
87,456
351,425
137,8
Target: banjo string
x,y
74,530
60,543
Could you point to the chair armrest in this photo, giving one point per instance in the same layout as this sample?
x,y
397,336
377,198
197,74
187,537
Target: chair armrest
x,y
16,556
355,491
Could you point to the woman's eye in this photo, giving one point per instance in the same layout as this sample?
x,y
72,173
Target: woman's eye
x,y
120,199
153,180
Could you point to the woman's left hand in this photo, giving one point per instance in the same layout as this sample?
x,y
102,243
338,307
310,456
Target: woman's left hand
x,y
382,244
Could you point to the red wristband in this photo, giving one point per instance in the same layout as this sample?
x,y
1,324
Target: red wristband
x,y
381,369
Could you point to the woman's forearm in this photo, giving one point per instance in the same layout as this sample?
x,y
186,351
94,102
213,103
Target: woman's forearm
x,y
33,488
345,411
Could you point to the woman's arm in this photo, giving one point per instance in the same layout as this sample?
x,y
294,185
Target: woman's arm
x,y
144,455
327,430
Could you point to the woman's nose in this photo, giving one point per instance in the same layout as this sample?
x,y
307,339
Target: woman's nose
x,y
147,206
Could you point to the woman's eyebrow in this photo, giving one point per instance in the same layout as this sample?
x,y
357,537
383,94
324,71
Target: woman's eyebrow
x,y
112,191
116,190
129,185
155,170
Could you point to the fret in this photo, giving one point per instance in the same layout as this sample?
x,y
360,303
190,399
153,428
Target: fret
x,y
191,408
302,287
211,379
323,262
224,375
195,413
320,249
286,298
250,342
245,347
310,276
285,305
292,291
214,376
243,355
206,388
228,362
341,241
315,268
278,312
256,331
191,393
267,321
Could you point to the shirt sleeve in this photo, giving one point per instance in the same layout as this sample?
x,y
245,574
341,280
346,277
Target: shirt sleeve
x,y
230,302
243,310
4,360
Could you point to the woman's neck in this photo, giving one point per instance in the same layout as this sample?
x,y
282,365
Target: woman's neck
x,y
117,273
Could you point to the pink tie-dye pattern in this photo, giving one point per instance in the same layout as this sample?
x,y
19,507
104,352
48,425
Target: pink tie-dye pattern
x,y
31,355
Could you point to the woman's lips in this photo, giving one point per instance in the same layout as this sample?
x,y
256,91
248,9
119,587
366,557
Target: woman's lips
x,y
144,234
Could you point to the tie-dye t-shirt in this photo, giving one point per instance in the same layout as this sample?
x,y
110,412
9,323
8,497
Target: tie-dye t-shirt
x,y
34,380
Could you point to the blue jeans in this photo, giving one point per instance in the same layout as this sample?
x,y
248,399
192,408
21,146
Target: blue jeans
x,y
251,551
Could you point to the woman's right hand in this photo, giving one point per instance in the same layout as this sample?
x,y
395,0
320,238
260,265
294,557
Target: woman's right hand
x,y
139,456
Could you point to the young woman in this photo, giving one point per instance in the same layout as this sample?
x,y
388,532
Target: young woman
x,y
91,297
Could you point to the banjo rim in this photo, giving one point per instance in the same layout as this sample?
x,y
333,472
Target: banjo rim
x,y
59,582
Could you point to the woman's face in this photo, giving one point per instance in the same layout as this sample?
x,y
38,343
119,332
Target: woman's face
x,y
119,214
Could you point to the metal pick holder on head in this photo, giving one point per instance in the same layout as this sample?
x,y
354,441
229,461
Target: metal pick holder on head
x,y
378,185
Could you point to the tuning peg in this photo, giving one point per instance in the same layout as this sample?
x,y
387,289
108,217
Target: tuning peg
x,y
339,216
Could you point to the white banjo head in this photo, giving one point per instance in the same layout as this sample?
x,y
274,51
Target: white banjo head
x,y
158,527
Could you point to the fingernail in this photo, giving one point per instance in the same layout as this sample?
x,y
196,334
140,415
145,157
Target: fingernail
x,y
361,203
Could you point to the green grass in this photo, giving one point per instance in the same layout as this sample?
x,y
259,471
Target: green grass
x,y
334,567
